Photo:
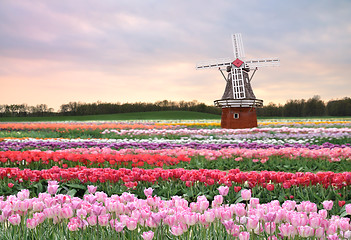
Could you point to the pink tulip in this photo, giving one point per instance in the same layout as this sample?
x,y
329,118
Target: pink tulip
x,y
333,237
270,217
38,206
157,217
223,190
81,213
246,194
287,230
90,198
305,231
328,205
52,189
148,235
177,230
53,182
225,214
332,229
119,226
217,201
244,236
131,224
40,217
92,189
23,194
252,222
92,220
254,202
323,213
203,205
347,234
2,218
239,210
100,196
289,205
348,209
231,228
344,224
15,219
319,232
22,205
76,203
148,191
103,219
191,218
229,225
32,223
7,211
97,209
66,212
315,222
73,225
209,216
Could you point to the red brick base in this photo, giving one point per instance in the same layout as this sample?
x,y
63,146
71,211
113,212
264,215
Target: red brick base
x,y
239,117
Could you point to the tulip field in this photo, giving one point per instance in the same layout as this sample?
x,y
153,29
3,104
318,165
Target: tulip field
x,y
286,179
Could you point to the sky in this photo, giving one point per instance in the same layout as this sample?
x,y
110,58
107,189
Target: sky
x,y
55,52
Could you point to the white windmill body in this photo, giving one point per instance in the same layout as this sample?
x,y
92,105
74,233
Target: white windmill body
x,y
238,92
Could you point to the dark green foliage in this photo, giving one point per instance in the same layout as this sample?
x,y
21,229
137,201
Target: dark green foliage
x,y
312,107
339,107
83,109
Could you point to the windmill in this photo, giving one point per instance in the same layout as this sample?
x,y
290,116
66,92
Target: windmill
x,y
238,102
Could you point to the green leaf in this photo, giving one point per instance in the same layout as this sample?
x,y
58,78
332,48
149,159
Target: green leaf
x,y
240,199
74,185
72,192
343,214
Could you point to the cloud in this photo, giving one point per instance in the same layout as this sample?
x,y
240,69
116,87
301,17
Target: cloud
x,y
147,50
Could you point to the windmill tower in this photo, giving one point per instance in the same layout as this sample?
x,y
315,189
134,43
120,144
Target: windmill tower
x,y
238,102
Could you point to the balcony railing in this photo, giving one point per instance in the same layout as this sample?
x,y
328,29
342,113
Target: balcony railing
x,y
224,103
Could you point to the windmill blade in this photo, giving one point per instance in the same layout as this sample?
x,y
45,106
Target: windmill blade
x,y
238,83
221,63
238,46
265,62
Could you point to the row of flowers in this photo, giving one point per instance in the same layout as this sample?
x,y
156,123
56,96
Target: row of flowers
x,y
142,124
131,177
46,157
151,143
127,213
330,154
138,157
249,133
81,126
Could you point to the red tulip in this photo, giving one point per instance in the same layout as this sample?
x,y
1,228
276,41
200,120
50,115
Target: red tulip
x,y
341,203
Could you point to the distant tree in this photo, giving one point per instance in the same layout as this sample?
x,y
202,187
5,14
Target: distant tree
x,y
339,107
294,108
314,107
271,110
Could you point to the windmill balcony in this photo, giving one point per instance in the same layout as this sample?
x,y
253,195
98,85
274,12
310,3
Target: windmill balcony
x,y
241,103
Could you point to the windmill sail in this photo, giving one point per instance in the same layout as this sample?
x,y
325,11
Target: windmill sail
x,y
221,63
238,46
266,62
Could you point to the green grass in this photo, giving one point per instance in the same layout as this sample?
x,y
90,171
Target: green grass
x,y
161,115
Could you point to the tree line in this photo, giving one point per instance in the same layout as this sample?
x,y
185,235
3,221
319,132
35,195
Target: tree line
x,y
292,108
79,108
307,108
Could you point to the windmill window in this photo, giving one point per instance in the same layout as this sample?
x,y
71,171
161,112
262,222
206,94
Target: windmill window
x,y
236,115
